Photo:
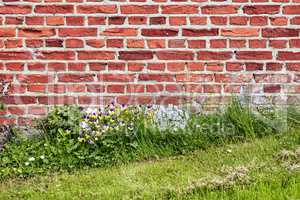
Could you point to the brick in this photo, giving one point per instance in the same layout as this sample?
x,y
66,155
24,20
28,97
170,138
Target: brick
x,y
259,21
56,66
254,66
194,77
139,9
34,78
288,55
36,32
97,43
279,21
96,20
200,32
56,55
116,20
293,67
240,32
278,44
239,20
198,20
216,9
295,20
272,78
96,55
55,20
75,78
273,66
261,9
75,21
175,55
254,55
54,9
77,32
19,100
115,77
159,32
180,9
291,10
36,20
74,43
156,77
135,55
218,43
15,55
233,78
177,21
56,100
14,20
120,32
157,20
15,66
7,32
295,43
15,9
135,43
137,20
279,32
114,43
95,9
210,55
218,20
54,43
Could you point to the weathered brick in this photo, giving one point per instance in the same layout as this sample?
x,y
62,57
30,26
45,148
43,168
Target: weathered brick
x,y
280,32
240,32
36,32
159,32
120,32
261,9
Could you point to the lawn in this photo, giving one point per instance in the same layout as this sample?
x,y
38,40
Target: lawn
x,y
265,168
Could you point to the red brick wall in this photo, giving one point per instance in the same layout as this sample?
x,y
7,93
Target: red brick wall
x,y
141,51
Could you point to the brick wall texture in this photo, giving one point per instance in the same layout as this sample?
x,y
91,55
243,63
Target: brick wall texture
x,y
91,52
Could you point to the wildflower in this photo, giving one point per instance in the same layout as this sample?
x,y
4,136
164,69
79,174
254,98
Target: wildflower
x,y
31,159
26,163
42,157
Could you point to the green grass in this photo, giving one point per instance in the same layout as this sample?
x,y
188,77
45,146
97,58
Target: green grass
x,y
189,176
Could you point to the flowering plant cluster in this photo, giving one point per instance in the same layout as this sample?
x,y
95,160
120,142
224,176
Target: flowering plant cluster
x,y
98,122
113,118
